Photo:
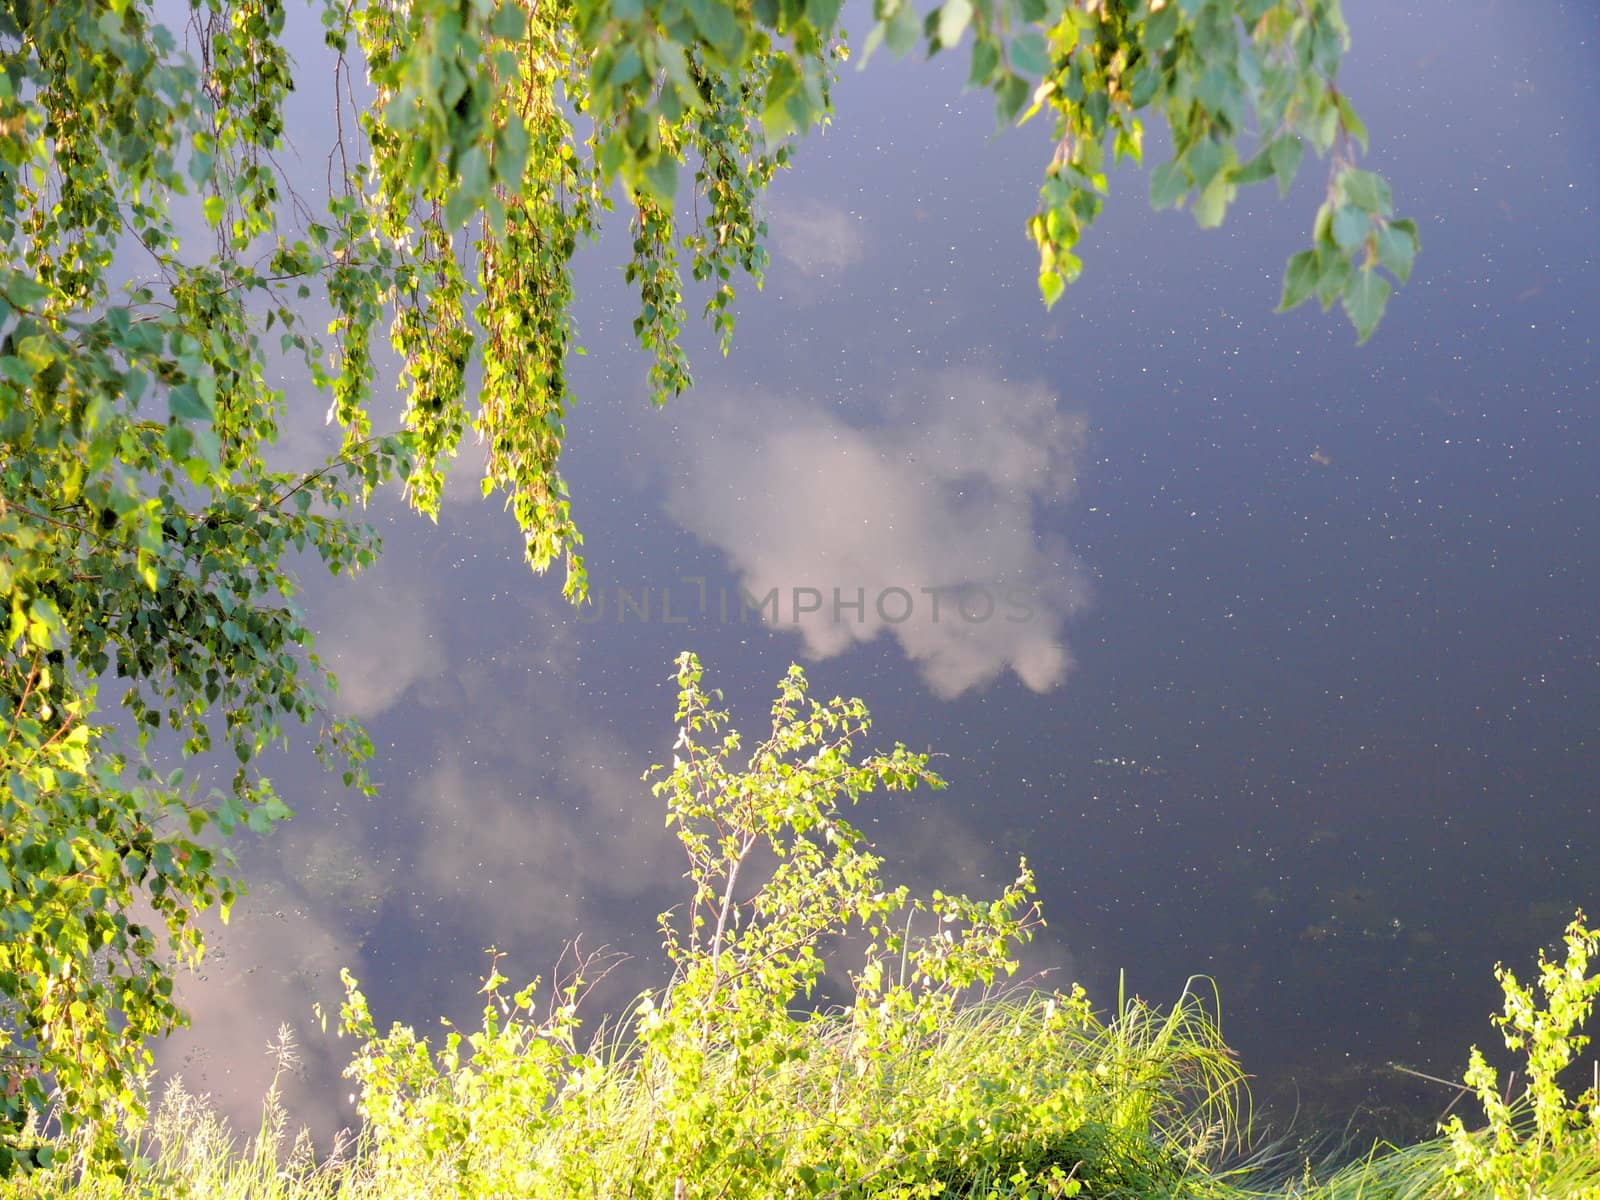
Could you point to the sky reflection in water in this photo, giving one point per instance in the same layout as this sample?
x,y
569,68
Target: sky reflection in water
x,y
1306,698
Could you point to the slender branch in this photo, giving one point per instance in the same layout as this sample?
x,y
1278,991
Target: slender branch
x,y
49,520
347,458
27,688
727,903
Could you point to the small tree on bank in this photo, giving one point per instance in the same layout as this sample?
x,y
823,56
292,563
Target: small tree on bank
x,y
934,1078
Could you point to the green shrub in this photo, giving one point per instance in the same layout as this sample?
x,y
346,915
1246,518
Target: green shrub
x,y
932,1081
1534,1140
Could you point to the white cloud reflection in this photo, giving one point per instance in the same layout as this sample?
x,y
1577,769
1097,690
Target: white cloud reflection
x,y
265,969
815,238
374,633
929,519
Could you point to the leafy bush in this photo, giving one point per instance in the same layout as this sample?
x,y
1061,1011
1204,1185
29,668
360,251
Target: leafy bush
x,y
1535,1138
724,1083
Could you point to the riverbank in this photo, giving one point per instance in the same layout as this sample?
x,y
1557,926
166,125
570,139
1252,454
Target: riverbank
x,y
1031,1095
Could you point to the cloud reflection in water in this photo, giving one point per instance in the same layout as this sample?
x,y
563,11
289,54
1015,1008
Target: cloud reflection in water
x,y
939,502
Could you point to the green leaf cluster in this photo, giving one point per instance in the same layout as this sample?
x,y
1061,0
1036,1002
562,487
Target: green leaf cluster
x,y
1355,234
145,538
498,132
1242,87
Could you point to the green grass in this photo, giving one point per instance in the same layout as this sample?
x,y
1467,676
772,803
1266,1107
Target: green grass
x,y
1025,1086
1019,1096
1427,1171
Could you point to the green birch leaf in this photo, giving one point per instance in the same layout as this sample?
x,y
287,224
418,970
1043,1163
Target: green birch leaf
x,y
1030,56
823,14
1350,227
985,58
1051,286
1169,182
1333,274
1011,93
1299,278
1213,202
903,29
1366,191
1160,28
1365,296
716,24
1353,125
186,405
1204,160
1397,248
1285,153
508,21
661,178
875,38
23,291
1258,168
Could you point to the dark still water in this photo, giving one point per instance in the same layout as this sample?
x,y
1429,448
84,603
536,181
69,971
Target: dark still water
x,y
1307,693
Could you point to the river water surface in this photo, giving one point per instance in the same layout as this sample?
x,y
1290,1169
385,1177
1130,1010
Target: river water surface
x,y
1292,675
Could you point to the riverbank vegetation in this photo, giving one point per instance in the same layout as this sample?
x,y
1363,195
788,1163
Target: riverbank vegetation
x,y
938,1077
